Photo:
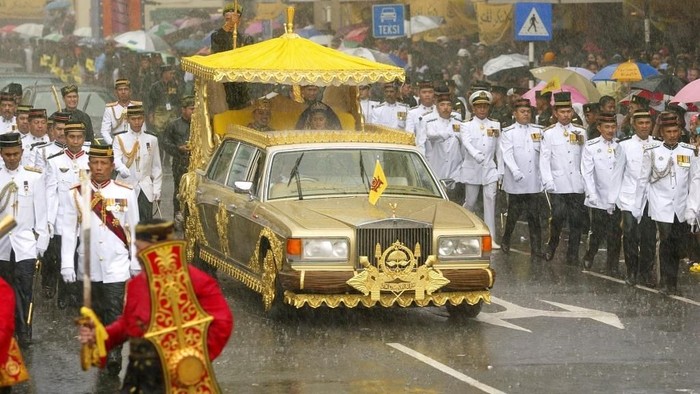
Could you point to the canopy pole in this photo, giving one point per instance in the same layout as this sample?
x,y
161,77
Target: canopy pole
x,y
531,61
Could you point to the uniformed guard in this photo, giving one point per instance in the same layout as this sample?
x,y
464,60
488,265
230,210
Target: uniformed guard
x,y
112,230
71,98
597,164
500,110
590,114
417,114
442,134
38,136
479,169
163,97
8,121
114,117
390,113
176,141
665,181
262,114
57,140
366,103
146,322
62,172
520,146
560,168
23,119
137,159
637,102
543,115
22,195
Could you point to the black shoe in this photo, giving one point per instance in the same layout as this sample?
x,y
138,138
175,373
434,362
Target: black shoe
x,y
114,363
631,280
663,290
49,292
61,303
505,247
24,340
587,264
549,254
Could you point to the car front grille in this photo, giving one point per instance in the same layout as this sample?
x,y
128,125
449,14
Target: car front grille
x,y
389,231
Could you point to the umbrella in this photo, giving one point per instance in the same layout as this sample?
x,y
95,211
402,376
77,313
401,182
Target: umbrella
x,y
569,78
588,74
322,39
296,61
142,41
370,54
30,29
656,100
258,27
7,28
308,32
666,84
421,23
162,29
56,37
58,5
505,62
625,72
357,35
83,32
189,46
576,96
689,94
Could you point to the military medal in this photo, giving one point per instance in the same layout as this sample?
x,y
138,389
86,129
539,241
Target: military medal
x,y
481,127
455,127
26,187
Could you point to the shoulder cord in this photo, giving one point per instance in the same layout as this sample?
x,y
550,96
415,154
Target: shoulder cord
x,y
130,155
657,175
6,194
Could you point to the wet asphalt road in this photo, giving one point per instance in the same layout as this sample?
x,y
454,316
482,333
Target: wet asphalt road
x,y
551,328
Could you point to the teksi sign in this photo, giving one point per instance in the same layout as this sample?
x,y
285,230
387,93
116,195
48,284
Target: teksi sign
x,y
388,20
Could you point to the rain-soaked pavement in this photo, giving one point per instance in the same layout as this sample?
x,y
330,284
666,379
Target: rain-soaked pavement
x,y
551,328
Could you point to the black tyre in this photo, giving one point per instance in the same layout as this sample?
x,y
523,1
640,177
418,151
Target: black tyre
x,y
464,310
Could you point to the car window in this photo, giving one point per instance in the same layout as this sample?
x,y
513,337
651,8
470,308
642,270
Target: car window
x,y
241,164
219,167
46,100
348,171
92,103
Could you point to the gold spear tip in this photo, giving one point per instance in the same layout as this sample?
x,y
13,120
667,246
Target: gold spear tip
x,y
290,19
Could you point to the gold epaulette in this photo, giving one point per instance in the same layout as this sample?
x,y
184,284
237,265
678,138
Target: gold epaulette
x,y
134,102
688,146
33,169
123,184
77,185
549,127
112,104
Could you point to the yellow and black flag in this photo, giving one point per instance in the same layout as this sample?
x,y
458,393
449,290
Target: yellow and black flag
x,y
378,184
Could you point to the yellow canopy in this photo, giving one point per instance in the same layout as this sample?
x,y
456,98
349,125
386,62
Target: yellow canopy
x,y
291,60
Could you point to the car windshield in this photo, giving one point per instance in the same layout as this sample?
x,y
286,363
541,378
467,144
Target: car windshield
x,y
310,173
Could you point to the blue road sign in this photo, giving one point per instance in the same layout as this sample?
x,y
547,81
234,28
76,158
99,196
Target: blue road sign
x,y
533,22
388,20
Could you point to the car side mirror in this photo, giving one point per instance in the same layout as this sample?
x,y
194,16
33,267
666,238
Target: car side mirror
x,y
242,186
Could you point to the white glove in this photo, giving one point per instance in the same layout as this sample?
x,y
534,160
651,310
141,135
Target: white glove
x,y
134,272
479,157
611,210
549,187
40,252
68,274
518,176
50,228
156,197
593,201
124,172
500,177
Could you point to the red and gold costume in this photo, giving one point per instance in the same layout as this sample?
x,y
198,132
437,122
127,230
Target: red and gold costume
x,y
137,312
7,319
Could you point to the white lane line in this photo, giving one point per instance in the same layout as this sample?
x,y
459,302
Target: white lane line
x,y
675,297
444,368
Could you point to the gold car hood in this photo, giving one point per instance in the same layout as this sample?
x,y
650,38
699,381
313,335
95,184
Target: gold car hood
x,y
337,213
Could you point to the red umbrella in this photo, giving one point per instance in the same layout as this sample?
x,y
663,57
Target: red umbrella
x,y
357,35
257,27
7,28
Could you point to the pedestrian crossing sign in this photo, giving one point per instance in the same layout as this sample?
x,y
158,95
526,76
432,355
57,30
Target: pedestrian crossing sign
x,y
533,22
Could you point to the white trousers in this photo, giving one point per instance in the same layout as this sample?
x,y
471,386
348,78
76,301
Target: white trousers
x,y
471,194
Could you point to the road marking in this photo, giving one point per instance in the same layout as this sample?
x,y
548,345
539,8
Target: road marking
x,y
444,368
513,311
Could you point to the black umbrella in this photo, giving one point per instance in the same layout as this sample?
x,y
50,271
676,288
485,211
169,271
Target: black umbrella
x,y
666,84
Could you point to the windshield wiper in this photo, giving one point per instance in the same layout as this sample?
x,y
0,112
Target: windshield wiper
x,y
363,173
295,173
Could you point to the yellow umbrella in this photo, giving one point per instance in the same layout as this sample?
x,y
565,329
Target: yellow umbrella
x,y
568,77
291,60
627,72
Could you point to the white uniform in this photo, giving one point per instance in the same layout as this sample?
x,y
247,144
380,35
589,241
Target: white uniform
x,y
665,180
414,123
25,200
692,210
62,172
390,115
366,107
111,258
8,125
560,158
444,155
42,153
625,177
30,144
520,147
114,120
138,154
597,164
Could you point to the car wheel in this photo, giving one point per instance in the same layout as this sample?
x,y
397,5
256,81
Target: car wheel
x,y
273,295
464,310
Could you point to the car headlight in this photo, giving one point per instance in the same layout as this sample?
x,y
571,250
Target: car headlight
x,y
326,249
459,247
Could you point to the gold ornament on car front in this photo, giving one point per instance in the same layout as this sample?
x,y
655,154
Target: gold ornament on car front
x,y
396,272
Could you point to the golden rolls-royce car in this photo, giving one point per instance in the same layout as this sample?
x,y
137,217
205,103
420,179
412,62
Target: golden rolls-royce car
x,y
288,213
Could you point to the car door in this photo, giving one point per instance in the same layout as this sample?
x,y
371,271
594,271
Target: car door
x,y
211,189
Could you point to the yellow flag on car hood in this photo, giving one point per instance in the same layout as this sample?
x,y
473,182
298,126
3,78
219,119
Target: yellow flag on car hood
x,y
378,184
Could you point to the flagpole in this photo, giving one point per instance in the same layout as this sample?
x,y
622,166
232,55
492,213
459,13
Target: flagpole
x,y
86,212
